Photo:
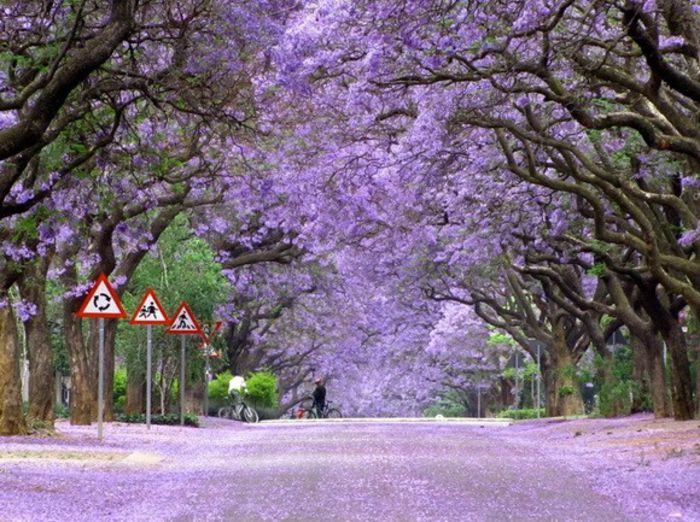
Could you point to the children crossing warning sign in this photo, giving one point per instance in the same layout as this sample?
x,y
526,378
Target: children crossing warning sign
x,y
102,301
149,311
184,321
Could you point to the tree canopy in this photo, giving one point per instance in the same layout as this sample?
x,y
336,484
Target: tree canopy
x,y
400,197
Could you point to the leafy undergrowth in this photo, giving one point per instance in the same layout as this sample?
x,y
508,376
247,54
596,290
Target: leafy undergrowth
x,y
170,419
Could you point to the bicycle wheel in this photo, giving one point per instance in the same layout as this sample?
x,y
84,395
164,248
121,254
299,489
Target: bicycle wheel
x,y
311,414
333,413
224,412
250,415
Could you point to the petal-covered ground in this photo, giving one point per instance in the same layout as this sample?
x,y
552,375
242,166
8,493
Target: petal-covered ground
x,y
635,468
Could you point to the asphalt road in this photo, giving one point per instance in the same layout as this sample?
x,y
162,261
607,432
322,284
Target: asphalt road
x,y
229,471
397,472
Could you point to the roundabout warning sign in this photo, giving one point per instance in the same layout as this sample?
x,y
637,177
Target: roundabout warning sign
x,y
102,301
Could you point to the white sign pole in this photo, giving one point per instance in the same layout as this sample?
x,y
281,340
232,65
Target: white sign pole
x,y
538,380
148,376
206,380
182,382
100,380
101,302
478,402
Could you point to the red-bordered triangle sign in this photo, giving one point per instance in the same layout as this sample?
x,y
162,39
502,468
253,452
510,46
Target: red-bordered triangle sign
x,y
208,333
184,321
149,310
102,301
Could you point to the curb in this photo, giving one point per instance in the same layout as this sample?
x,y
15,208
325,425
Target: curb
x,y
467,421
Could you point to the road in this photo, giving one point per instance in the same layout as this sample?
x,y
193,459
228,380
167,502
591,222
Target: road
x,y
292,472
404,472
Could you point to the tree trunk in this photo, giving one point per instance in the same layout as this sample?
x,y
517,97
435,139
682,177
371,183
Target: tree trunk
x,y
697,380
41,371
670,329
32,287
83,397
110,337
681,385
194,397
135,385
652,348
562,390
640,375
507,393
11,416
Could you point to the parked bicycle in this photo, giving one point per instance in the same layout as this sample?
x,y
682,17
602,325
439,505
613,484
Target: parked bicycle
x,y
302,410
239,411
327,413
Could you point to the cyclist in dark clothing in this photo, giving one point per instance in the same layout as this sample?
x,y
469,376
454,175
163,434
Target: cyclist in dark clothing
x,y
319,395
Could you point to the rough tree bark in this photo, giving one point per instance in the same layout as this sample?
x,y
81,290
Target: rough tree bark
x,y
83,377
681,385
652,348
32,287
640,375
11,416
562,391
669,327
135,385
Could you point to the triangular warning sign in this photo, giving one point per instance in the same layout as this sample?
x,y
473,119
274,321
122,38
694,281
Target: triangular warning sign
x,y
208,333
102,301
184,321
149,311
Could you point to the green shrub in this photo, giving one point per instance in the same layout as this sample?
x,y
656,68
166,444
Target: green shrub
x,y
615,395
170,419
218,388
119,390
61,411
615,399
262,390
446,409
528,413
119,403
448,404
566,389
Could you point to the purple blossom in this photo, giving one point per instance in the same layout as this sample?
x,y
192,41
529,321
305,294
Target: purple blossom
x,y
25,310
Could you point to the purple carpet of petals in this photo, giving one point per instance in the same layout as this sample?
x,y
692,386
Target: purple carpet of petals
x,y
634,468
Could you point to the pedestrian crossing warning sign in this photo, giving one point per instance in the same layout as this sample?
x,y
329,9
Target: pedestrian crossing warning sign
x,y
102,301
149,311
184,321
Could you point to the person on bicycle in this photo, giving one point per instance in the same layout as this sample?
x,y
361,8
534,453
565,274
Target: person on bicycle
x,y
237,388
319,395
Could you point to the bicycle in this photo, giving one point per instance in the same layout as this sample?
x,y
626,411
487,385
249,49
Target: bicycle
x,y
326,413
302,410
239,411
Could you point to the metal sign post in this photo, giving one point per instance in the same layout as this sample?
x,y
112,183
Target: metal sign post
x,y
149,312
183,323
182,381
517,381
101,302
478,402
149,352
206,381
207,334
538,380
101,380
